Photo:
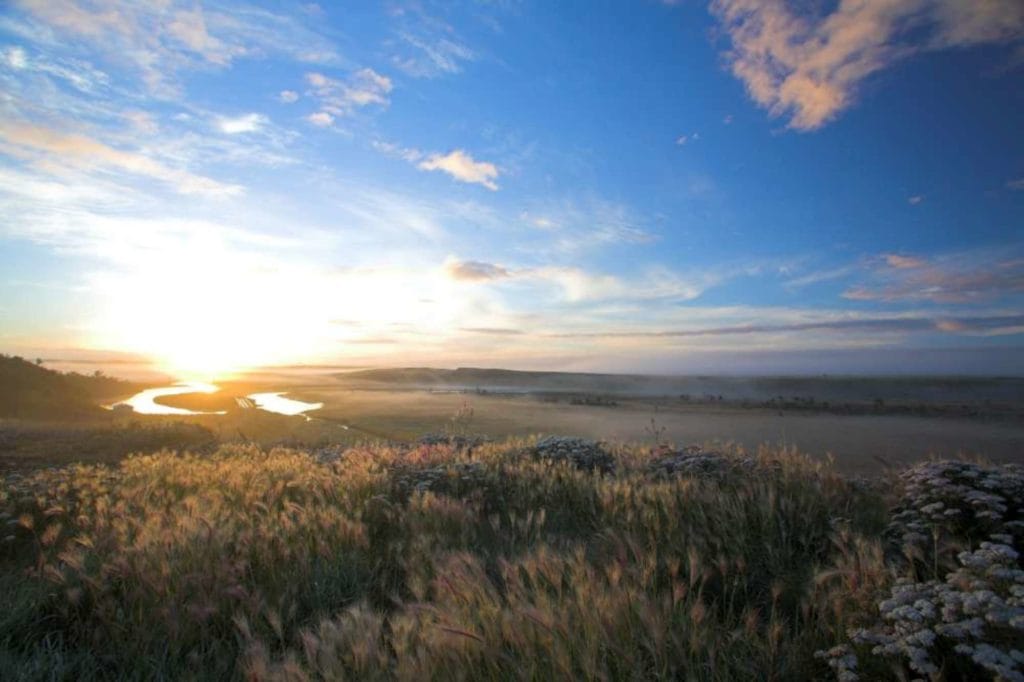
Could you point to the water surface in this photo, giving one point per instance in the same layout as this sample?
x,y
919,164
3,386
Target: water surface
x,y
276,402
144,402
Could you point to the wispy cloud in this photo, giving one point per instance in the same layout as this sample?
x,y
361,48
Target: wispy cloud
x,y
653,284
986,325
958,278
52,149
410,154
141,121
826,275
903,262
492,331
426,46
463,167
101,222
158,40
80,74
578,285
341,97
808,67
427,57
288,96
577,224
1016,185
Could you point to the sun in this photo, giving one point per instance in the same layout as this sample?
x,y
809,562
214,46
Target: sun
x,y
207,323
205,312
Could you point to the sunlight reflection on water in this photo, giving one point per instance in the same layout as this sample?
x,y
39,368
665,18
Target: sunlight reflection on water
x,y
144,402
274,402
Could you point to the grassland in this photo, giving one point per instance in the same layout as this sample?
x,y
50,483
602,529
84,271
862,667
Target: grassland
x,y
263,547
502,561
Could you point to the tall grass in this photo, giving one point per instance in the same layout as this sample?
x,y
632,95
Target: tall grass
x,y
434,562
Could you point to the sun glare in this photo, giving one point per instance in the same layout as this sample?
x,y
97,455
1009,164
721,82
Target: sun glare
x,y
210,313
210,319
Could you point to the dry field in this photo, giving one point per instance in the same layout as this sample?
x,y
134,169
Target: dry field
x,y
858,442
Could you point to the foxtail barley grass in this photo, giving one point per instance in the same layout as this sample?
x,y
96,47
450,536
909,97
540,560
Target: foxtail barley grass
x,y
490,562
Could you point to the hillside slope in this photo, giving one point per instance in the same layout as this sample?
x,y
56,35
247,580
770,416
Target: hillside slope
x,y
29,390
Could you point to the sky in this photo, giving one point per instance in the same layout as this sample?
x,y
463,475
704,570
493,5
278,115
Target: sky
x,y
740,186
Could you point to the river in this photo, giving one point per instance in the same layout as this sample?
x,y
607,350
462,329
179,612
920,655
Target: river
x,y
144,402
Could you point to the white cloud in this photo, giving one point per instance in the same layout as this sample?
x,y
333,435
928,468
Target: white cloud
x,y
15,57
1016,185
342,97
321,119
247,123
189,28
808,68
79,74
56,152
160,39
288,96
915,200
463,168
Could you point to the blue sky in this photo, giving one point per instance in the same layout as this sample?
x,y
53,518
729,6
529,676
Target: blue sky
x,y
737,186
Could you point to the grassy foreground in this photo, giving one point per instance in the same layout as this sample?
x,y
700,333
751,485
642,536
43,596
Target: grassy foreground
x,y
509,561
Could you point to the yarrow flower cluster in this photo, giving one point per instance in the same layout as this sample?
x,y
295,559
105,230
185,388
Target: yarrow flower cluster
x,y
694,461
446,478
580,452
843,662
973,620
458,442
977,612
959,499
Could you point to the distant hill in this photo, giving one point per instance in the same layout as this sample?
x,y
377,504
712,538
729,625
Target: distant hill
x,y
30,390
